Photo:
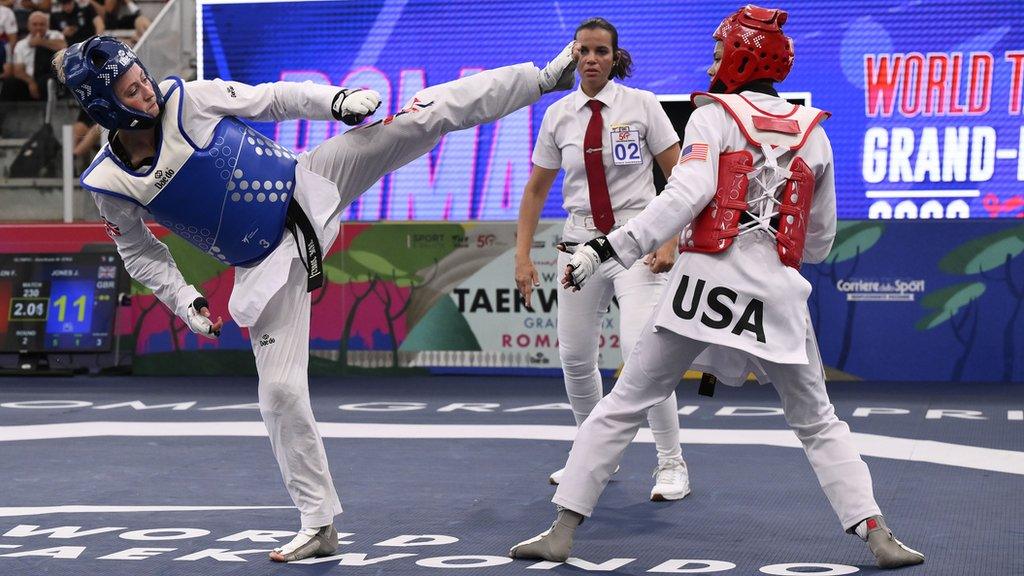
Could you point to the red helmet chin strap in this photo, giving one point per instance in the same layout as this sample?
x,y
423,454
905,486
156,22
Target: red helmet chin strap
x,y
754,47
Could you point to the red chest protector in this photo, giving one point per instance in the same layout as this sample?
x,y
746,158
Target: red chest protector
x,y
715,228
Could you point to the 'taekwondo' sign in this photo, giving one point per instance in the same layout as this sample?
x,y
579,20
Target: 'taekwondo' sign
x,y
396,551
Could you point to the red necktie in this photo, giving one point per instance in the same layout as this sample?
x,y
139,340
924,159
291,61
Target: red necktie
x,y
593,141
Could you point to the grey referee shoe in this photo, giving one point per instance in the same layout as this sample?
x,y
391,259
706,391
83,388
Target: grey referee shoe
x,y
889,552
308,543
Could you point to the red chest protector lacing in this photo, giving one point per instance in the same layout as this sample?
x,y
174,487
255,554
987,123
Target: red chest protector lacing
x,y
766,197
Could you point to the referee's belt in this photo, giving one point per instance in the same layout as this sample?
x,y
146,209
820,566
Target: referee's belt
x,y
587,221
310,253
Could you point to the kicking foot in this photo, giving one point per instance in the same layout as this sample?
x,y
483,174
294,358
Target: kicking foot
x,y
889,552
553,544
671,481
558,74
308,543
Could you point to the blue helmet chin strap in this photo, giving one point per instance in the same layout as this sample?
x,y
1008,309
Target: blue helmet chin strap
x,y
91,68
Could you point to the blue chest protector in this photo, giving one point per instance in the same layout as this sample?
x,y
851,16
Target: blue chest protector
x,y
229,199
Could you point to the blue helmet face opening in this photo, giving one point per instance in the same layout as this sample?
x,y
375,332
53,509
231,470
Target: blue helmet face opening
x,y
91,70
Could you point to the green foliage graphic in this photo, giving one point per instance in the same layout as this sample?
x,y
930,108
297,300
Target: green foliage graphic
x,y
947,302
853,238
985,253
990,256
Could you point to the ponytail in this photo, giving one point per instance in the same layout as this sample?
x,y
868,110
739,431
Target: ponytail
x,y
623,66
58,65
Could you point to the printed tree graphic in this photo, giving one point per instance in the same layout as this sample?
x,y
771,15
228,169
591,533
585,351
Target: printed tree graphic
x,y
994,257
391,262
958,305
853,238
196,267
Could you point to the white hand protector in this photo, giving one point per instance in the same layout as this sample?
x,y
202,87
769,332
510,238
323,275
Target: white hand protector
x,y
558,74
198,323
585,261
353,105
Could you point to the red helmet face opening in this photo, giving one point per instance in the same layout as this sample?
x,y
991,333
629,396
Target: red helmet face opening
x,y
754,47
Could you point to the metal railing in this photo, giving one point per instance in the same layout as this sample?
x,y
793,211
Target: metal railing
x,y
169,45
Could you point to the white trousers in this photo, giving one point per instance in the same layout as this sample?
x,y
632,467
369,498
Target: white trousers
x,y
280,342
580,314
354,161
651,374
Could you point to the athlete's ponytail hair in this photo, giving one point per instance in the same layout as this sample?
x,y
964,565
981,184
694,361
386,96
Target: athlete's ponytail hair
x,y
58,65
622,67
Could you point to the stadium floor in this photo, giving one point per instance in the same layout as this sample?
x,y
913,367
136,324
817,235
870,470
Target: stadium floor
x,y
440,475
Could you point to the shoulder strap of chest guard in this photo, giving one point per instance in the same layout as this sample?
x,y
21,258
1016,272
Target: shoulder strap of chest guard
x,y
762,128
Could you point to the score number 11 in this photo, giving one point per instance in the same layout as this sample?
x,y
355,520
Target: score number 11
x,y
62,305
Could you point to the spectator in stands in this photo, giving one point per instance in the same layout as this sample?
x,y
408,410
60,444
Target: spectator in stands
x,y
22,9
32,54
8,35
125,15
97,5
77,23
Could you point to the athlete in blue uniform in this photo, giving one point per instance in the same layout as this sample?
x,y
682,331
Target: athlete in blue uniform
x,y
178,153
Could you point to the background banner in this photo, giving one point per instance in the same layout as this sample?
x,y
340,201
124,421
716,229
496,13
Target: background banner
x,y
926,95
893,301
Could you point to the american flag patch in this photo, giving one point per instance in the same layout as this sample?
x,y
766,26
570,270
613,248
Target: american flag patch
x,y
698,152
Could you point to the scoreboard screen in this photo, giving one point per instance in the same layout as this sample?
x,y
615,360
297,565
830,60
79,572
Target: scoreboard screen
x,y
58,302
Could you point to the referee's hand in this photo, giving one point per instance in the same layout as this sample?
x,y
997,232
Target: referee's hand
x,y
526,280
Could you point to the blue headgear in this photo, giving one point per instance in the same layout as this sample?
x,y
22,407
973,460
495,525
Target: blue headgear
x,y
90,70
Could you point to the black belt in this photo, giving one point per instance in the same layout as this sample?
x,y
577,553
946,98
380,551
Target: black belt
x,y
297,221
707,384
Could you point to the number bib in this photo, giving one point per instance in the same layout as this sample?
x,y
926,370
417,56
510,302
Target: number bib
x,y
626,146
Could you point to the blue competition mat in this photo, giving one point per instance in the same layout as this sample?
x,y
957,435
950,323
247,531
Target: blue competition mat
x,y
441,475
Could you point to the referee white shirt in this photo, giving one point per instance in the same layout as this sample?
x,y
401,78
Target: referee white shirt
x,y
627,167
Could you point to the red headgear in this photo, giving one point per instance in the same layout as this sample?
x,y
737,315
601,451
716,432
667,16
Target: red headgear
x,y
754,47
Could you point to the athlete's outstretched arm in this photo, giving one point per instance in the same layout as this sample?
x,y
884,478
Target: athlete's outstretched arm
x,y
277,101
148,261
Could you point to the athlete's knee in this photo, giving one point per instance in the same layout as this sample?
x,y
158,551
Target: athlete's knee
x,y
819,424
279,395
577,363
577,346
